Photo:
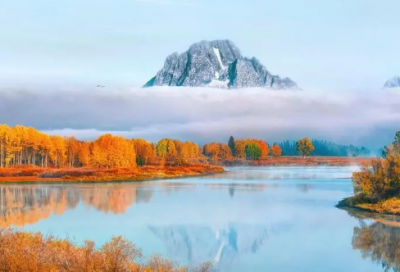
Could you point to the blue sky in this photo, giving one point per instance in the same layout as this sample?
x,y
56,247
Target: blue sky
x,y
336,45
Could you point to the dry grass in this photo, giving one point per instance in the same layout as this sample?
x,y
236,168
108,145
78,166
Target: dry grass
x,y
389,206
385,206
120,174
20,171
20,252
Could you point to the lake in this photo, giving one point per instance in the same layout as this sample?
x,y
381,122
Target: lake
x,y
247,219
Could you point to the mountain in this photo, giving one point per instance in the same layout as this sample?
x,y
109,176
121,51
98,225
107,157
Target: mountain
x,y
216,64
393,83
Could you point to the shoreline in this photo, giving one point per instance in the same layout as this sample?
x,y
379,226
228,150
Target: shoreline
x,y
390,206
76,175
148,173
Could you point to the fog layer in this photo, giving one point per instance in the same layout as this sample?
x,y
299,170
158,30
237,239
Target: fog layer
x,y
205,114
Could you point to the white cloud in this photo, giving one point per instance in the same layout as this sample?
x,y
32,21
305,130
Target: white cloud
x,y
205,114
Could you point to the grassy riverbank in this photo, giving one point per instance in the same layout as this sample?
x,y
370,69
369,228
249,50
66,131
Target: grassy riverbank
x,y
37,174
385,206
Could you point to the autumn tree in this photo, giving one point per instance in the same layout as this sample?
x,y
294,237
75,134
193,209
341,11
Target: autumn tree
x,y
161,148
380,178
178,147
72,151
263,148
172,151
113,151
84,154
58,152
4,135
145,151
18,143
27,146
240,149
45,147
32,145
276,151
242,145
253,151
212,150
225,152
395,145
304,146
166,150
218,151
188,151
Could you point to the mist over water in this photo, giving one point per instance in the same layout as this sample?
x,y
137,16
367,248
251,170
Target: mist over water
x,y
207,114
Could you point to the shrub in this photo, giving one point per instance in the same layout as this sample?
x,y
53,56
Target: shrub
x,y
380,178
32,252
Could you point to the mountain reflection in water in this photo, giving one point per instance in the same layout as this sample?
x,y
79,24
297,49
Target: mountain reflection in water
x,y
223,246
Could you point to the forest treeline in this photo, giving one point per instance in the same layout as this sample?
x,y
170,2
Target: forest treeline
x,y
325,148
21,145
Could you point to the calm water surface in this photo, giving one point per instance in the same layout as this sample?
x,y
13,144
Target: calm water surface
x,y
248,219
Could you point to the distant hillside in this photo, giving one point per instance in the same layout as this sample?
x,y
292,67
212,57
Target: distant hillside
x,y
393,83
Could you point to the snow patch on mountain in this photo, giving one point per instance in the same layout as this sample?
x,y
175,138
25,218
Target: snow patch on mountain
x,y
218,54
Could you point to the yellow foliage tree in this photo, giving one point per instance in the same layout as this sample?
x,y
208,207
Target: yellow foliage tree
x,y
305,147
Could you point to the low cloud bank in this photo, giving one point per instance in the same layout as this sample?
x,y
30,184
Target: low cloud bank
x,y
206,114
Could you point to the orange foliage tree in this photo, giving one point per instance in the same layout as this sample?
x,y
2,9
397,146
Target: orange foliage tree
x,y
276,151
240,147
145,151
21,145
26,146
113,151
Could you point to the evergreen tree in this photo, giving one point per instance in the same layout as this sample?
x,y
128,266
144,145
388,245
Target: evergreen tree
x,y
231,144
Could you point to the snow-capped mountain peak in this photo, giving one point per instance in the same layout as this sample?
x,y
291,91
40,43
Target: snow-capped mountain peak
x,y
216,64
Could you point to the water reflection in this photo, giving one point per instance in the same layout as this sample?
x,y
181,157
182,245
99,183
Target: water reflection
x,y
304,187
28,204
378,238
245,220
224,246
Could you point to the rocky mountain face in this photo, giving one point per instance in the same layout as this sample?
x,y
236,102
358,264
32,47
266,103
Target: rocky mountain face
x,y
393,83
216,64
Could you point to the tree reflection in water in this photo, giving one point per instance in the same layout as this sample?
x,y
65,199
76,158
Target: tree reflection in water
x,y
28,204
379,240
